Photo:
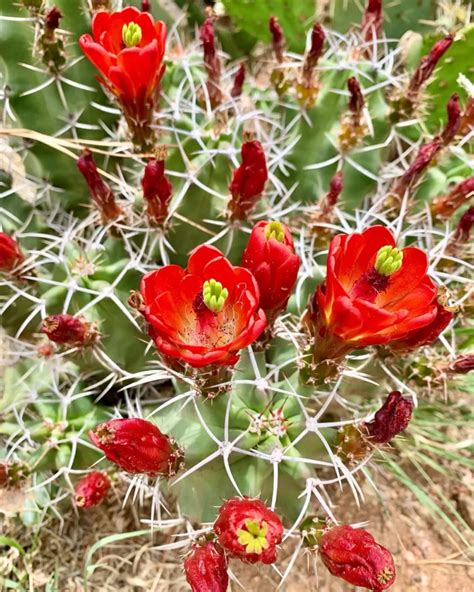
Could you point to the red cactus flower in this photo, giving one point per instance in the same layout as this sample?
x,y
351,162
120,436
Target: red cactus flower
x,y
374,294
206,569
247,529
66,329
391,419
10,253
248,180
127,48
157,191
444,207
278,38
203,314
428,64
101,193
353,555
270,256
92,489
137,446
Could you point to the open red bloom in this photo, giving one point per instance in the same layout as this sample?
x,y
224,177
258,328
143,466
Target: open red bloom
x,y
206,569
10,253
248,180
271,257
92,489
204,314
127,48
353,555
374,293
247,529
137,446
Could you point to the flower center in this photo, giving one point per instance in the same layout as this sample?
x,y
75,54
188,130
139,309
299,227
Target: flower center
x,y
131,34
214,295
389,260
275,230
254,539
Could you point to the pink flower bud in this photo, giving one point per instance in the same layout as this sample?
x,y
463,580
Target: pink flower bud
x,y
454,119
92,489
465,224
68,330
428,64
157,191
248,180
249,530
391,419
278,38
10,253
137,446
238,82
354,555
270,256
101,193
206,569
444,207
462,364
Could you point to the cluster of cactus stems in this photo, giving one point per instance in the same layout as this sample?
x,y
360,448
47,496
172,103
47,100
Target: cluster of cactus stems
x,y
255,257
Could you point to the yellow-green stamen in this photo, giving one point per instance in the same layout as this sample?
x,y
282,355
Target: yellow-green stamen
x,y
389,260
214,295
254,539
131,34
275,230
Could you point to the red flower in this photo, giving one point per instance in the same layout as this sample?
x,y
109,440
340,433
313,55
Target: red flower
x,y
66,329
127,48
375,293
353,555
247,529
137,446
391,419
10,253
270,256
206,569
248,180
92,489
204,314
157,191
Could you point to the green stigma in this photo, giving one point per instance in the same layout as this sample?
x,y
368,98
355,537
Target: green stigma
x,y
389,260
214,295
275,230
131,34
254,539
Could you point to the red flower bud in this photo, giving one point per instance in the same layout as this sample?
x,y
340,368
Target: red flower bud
x,y
270,256
206,569
248,180
391,419
249,530
52,17
146,6
278,38
92,489
444,207
10,253
238,82
356,101
157,191
211,61
465,224
100,192
453,124
428,64
462,364
372,20
316,49
335,189
137,446
353,555
66,329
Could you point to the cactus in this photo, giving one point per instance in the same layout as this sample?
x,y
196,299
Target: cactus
x,y
258,377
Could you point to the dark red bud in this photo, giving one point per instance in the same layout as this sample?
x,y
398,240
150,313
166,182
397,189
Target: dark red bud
x,y
454,119
206,569
335,188
10,253
356,101
69,330
462,364
146,6
391,419
317,45
92,489
428,63
278,38
52,18
444,207
464,227
423,159
211,61
100,192
238,82
372,20
157,190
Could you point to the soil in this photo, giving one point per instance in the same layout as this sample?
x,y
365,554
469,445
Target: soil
x,y
427,557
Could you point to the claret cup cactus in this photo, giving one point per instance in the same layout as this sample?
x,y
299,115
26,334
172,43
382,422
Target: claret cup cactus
x,y
213,274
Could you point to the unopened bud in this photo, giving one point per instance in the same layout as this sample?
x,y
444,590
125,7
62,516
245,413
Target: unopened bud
x,y
463,364
454,119
69,330
238,82
278,38
390,420
428,64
